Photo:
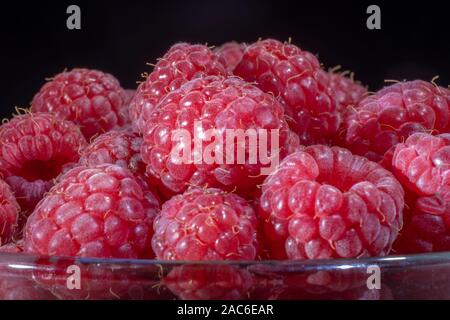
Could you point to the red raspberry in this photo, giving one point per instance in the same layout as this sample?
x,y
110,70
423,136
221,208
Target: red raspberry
x,y
219,104
93,212
9,213
422,164
230,54
427,226
33,150
294,75
183,62
327,203
90,98
209,282
206,224
388,117
345,90
120,147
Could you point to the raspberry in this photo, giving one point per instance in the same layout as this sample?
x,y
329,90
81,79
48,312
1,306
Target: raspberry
x,y
90,98
222,105
327,203
422,164
209,282
93,212
33,150
206,224
9,213
388,117
121,147
345,90
294,76
183,62
230,54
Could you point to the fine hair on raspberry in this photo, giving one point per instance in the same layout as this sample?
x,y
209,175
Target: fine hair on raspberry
x,y
181,63
391,115
293,76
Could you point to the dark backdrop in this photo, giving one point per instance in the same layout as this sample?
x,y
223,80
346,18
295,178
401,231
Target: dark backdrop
x,y
119,37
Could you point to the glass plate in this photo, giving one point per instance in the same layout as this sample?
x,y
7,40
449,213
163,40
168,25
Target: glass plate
x,y
425,276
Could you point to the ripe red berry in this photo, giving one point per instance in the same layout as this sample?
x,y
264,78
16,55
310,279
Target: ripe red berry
x,y
225,106
206,224
327,203
346,92
183,62
92,99
93,212
388,117
230,54
422,164
33,150
121,147
294,76
9,213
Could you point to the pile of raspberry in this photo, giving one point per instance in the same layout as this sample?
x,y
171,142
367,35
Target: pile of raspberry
x,y
95,170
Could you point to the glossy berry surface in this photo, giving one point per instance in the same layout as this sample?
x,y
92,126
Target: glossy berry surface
x,y
388,117
327,203
294,76
206,224
223,105
9,213
92,99
34,148
93,212
183,62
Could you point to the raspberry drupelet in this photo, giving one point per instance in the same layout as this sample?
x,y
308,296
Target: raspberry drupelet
x,y
206,224
324,202
422,164
9,213
93,212
183,62
223,105
92,99
295,77
34,148
230,54
388,117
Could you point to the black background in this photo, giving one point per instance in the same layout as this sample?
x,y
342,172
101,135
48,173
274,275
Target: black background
x,y
120,37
